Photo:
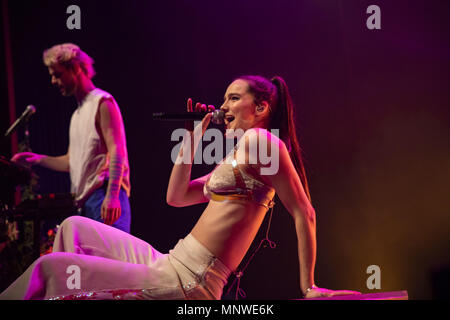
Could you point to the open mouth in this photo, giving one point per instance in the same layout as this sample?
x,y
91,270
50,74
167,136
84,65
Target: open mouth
x,y
228,119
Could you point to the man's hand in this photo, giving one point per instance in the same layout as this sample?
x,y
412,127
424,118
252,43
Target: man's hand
x,y
27,158
111,210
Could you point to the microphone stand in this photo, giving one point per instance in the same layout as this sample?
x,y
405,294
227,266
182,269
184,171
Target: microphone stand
x,y
28,191
26,143
31,226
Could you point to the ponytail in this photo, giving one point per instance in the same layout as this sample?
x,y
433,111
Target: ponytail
x,y
283,118
276,93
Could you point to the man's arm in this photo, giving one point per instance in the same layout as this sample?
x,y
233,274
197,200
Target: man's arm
x,y
60,163
112,130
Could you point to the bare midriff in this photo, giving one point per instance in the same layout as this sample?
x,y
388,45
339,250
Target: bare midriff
x,y
227,229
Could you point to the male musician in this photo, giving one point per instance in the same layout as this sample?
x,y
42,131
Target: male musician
x,y
97,156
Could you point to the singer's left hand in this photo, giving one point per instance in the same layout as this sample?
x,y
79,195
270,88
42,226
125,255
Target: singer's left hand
x,y
111,210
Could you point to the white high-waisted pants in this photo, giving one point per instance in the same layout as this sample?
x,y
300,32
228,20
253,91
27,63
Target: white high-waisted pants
x,y
91,260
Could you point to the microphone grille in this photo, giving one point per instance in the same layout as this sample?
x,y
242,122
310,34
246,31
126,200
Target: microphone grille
x,y
218,117
31,109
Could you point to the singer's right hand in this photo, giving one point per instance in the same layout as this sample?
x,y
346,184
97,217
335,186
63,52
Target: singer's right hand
x,y
199,107
27,158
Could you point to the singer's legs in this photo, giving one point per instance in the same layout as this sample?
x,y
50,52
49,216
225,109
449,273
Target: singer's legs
x,y
62,274
108,262
85,236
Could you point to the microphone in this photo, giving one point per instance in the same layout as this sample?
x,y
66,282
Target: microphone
x,y
25,115
218,116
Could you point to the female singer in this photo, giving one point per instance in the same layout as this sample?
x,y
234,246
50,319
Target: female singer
x,y
94,261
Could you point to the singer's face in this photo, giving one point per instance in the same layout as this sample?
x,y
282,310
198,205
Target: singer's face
x,y
239,106
63,78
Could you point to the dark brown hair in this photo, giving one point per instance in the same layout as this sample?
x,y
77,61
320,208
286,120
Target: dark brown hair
x,y
276,93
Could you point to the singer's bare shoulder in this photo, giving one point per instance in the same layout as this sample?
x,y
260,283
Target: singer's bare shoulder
x,y
261,140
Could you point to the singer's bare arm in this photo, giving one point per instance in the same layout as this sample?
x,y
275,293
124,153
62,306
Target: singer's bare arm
x,y
181,191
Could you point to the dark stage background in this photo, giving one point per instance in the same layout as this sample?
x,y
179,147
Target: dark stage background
x,y
372,110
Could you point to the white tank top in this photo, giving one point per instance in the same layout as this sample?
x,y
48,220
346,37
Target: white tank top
x,y
88,155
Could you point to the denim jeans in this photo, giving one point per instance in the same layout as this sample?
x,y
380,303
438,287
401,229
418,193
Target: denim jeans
x,y
92,208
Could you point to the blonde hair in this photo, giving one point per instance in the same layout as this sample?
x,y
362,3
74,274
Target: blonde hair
x,y
67,55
